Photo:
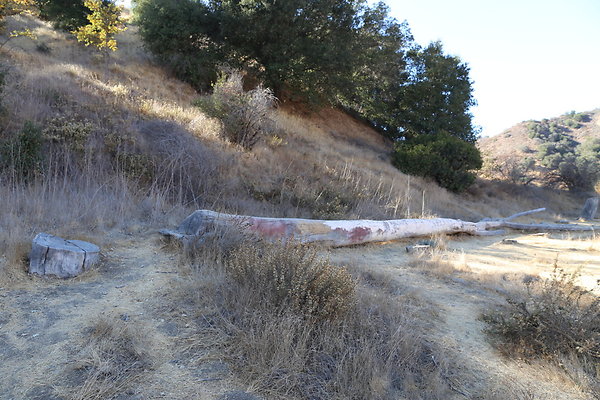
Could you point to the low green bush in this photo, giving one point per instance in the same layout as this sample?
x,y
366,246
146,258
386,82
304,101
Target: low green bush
x,y
68,132
446,159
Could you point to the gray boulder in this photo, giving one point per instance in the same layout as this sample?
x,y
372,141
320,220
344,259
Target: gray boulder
x,y
52,255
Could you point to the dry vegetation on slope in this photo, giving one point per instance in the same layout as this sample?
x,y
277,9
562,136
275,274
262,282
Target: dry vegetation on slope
x,y
126,153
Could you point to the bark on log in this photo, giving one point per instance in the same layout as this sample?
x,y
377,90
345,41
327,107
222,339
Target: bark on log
x,y
345,233
52,255
590,208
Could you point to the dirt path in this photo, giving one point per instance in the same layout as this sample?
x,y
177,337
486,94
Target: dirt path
x,y
42,322
461,297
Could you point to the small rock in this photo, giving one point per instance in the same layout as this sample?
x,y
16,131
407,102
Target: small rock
x,y
417,247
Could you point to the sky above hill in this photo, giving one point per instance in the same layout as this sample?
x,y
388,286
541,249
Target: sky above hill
x,y
529,59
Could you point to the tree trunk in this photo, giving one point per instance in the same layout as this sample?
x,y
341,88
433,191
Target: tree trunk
x,y
348,232
52,255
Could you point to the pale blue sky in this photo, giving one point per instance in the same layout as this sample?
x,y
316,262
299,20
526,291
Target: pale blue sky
x,y
529,59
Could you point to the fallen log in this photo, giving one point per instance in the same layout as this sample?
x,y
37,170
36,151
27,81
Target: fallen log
x,y
349,232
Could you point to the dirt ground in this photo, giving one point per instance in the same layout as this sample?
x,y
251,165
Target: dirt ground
x,y
481,269
42,321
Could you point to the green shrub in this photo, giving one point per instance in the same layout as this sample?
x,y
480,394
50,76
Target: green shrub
x,y
179,34
292,277
22,154
446,159
554,318
246,116
68,132
570,164
67,15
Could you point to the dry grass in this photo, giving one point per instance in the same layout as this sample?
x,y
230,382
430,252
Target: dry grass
x,y
373,345
322,164
111,360
438,262
78,205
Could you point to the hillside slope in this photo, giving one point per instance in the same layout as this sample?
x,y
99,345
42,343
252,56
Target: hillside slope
x,y
321,164
516,154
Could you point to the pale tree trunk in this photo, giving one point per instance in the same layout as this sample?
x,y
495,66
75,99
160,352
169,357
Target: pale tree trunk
x,y
349,232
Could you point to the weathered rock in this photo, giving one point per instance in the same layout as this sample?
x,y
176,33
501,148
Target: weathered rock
x,y
590,208
52,255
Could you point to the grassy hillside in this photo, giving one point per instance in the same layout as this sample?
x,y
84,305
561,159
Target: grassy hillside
x,y
517,154
122,145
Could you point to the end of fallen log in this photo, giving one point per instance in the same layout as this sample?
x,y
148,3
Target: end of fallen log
x,y
172,234
537,210
417,247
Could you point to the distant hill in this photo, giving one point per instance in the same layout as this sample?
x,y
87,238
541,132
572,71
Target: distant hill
x,y
556,152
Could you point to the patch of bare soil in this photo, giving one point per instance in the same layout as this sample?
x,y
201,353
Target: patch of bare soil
x,y
477,277
44,324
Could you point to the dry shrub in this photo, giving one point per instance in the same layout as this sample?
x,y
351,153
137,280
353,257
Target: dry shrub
x,y
182,165
377,351
294,327
111,361
553,318
246,116
292,278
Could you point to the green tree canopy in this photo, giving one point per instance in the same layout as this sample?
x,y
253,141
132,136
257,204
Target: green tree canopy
x,y
64,14
443,157
438,96
344,53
